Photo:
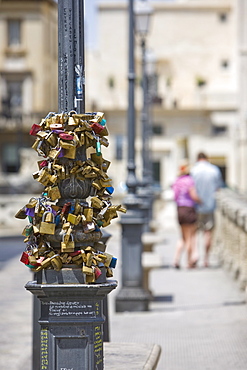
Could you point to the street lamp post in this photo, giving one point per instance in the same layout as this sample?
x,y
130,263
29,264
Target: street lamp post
x,y
143,12
132,296
71,338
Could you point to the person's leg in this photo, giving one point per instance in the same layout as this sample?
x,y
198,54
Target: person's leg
x,y
178,252
208,235
188,232
207,241
194,250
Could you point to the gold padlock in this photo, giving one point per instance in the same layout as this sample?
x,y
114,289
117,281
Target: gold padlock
x,y
96,203
52,139
67,144
42,134
98,117
106,183
32,260
77,259
72,219
70,153
49,217
105,165
100,246
90,278
88,213
87,270
28,230
81,139
68,247
56,262
108,259
48,227
44,177
96,184
32,203
89,260
109,272
53,179
54,193
104,132
36,144
98,159
71,121
21,213
54,153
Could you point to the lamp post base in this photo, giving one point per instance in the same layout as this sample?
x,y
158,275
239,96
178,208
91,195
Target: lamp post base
x,y
133,299
132,296
71,322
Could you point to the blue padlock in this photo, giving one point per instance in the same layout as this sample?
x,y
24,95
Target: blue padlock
x,y
113,262
110,189
103,122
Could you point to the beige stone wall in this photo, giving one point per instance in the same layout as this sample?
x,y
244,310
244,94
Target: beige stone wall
x,y
190,43
37,54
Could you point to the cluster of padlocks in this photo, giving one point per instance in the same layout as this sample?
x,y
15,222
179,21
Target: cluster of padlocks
x,y
64,226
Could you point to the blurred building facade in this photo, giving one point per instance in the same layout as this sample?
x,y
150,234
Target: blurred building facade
x,y
195,102
28,84
193,46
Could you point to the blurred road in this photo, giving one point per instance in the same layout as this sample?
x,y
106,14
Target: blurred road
x,y
10,247
199,316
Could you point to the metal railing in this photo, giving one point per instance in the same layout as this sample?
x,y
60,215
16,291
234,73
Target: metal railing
x,y
231,234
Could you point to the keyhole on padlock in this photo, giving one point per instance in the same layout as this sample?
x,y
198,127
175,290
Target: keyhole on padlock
x,y
83,333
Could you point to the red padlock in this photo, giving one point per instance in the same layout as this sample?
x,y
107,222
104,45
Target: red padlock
x,y
97,272
43,164
97,127
65,136
40,260
65,208
24,258
34,129
75,253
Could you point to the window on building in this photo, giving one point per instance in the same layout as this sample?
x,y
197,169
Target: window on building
x,y
219,130
223,17
10,158
12,99
156,172
157,129
119,147
225,64
14,32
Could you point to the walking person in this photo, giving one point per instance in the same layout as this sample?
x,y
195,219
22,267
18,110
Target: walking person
x,y
208,180
185,197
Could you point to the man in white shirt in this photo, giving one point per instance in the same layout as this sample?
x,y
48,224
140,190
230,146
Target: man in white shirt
x,y
208,180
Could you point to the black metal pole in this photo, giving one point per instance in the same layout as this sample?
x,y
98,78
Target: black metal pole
x,y
145,190
145,118
132,296
131,166
79,61
66,56
71,60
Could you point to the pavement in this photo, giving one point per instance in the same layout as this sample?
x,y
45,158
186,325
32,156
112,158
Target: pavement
x,y
198,317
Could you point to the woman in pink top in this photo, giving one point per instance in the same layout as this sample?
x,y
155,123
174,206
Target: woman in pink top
x,y
186,198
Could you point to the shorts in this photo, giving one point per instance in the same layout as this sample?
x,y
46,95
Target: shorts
x,y
186,215
205,221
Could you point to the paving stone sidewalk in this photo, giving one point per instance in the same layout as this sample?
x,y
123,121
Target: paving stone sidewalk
x,y
199,317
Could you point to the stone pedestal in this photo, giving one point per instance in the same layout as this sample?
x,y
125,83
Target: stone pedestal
x,y
71,321
132,296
